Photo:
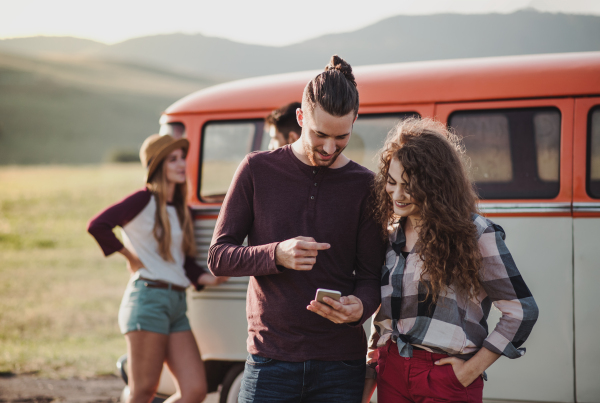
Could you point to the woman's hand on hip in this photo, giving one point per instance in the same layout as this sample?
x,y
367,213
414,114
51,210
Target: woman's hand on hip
x,y
462,370
467,371
133,261
209,279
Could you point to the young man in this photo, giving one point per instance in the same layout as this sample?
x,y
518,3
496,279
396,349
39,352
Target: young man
x,y
305,210
283,126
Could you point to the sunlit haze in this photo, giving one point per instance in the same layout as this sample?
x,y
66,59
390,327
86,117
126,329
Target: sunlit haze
x,y
266,22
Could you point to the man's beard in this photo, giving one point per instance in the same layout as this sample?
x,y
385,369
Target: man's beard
x,y
310,153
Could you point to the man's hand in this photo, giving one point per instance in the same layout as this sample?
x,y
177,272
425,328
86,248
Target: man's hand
x,y
349,309
298,253
209,279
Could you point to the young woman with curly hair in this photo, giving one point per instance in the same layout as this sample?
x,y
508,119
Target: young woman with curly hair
x,y
445,265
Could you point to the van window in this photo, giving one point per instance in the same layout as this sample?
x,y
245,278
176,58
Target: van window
x,y
368,136
224,146
594,153
175,129
514,153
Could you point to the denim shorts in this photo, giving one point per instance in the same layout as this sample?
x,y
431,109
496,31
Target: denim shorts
x,y
158,310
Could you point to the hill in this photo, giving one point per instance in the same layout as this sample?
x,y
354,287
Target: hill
x,y
75,111
395,39
71,100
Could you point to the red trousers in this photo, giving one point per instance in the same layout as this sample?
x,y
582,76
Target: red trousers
x,y
419,380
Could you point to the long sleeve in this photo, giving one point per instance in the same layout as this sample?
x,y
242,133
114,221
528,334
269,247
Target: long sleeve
x,y
227,256
503,284
369,260
119,214
193,271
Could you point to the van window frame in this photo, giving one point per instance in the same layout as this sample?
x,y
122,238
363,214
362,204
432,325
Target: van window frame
x,y
256,142
407,114
561,205
516,162
588,156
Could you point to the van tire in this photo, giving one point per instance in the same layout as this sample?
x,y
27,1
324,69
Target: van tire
x,y
231,384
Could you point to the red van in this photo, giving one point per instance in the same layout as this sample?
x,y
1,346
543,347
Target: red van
x,y
531,126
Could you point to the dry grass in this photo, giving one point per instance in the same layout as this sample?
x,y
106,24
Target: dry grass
x,y
59,296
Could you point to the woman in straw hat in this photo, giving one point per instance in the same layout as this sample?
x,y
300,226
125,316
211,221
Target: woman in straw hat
x,y
445,266
158,244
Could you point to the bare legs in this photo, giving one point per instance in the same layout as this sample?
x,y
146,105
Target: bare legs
x,y
148,350
183,359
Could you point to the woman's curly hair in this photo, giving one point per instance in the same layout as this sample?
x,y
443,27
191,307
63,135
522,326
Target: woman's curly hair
x,y
436,178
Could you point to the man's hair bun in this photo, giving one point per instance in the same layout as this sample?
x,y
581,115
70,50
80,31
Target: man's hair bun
x,y
334,90
337,63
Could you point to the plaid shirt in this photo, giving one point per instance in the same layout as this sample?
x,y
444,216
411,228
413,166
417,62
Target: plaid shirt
x,y
455,325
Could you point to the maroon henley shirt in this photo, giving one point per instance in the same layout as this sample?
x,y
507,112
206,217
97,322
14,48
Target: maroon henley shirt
x,y
274,197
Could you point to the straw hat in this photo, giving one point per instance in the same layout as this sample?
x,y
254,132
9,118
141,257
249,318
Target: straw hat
x,y
156,147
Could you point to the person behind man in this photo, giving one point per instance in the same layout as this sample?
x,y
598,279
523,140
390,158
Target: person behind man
x,y
305,210
283,126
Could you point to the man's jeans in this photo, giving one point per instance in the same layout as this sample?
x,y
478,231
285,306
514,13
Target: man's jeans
x,y
267,380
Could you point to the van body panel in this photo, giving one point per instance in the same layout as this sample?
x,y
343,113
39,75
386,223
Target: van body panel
x,y
542,249
583,204
587,315
223,327
490,78
586,228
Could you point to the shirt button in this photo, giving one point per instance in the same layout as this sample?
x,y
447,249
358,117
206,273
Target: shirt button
x,y
315,183
312,197
407,358
314,171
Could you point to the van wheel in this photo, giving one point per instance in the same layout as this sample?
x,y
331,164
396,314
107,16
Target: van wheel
x,y
232,384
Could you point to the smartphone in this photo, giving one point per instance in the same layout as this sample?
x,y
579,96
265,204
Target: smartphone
x,y
323,292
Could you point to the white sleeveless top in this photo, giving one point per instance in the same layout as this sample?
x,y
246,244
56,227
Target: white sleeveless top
x,y
138,236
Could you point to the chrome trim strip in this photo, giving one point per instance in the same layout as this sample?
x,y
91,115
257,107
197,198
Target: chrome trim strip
x,y
586,207
525,207
200,211
227,296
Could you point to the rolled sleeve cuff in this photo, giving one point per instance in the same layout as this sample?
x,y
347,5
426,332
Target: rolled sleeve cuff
x,y
112,247
499,344
272,250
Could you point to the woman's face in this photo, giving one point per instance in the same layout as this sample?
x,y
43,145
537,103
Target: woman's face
x,y
404,205
175,166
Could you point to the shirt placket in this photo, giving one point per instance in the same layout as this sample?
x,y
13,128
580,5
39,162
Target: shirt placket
x,y
313,193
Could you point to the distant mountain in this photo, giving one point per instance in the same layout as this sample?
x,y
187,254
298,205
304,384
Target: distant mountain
x,y
80,111
50,45
70,100
396,39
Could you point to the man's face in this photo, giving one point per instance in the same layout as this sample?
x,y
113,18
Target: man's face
x,y
324,136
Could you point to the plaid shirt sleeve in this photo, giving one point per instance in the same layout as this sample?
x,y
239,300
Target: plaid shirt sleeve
x,y
504,287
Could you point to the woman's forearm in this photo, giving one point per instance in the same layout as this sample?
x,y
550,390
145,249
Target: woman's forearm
x,y
481,361
370,385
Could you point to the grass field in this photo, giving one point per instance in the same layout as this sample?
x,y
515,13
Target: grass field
x,y
59,296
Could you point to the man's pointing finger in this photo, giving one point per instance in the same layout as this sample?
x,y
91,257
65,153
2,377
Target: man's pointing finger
x,y
313,245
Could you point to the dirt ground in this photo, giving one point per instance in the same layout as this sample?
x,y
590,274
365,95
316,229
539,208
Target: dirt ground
x,y
31,389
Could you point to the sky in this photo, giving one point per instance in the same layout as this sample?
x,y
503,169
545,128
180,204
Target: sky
x,y
264,22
